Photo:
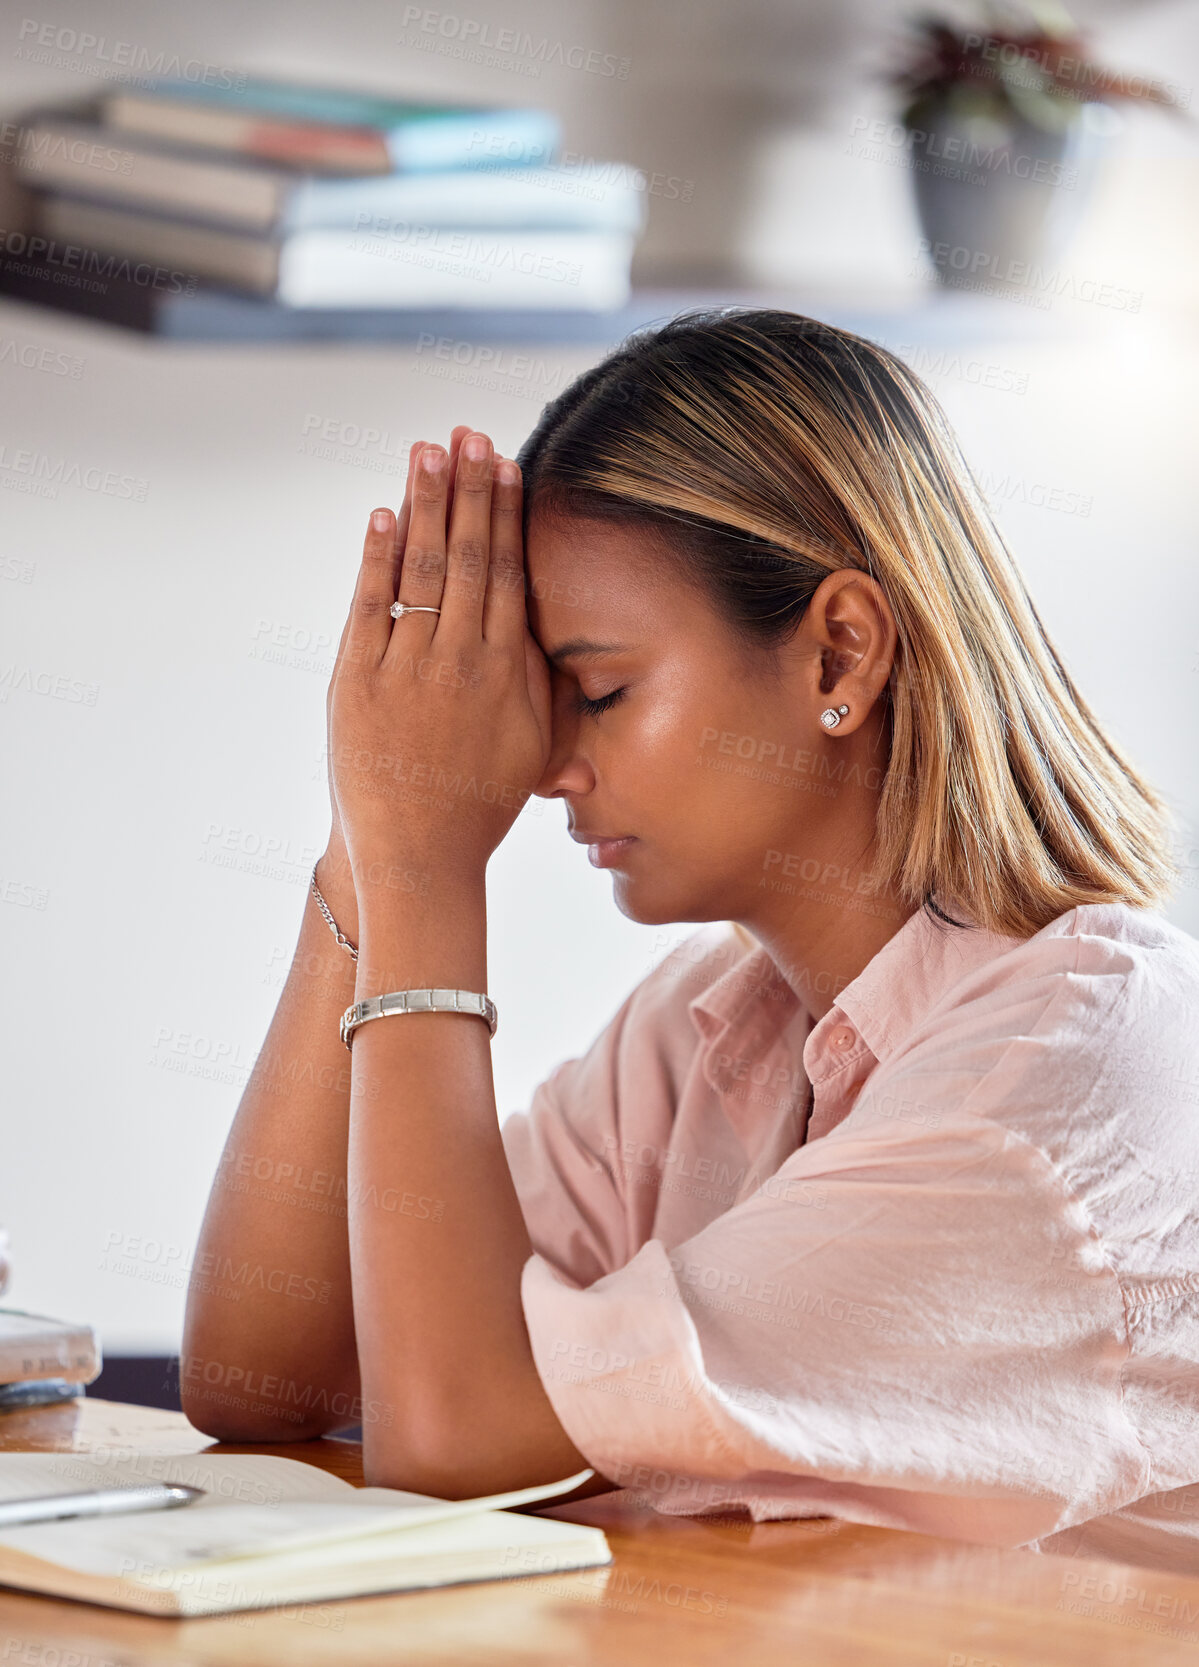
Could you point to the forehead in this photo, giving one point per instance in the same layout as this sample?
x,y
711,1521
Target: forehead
x,y
590,577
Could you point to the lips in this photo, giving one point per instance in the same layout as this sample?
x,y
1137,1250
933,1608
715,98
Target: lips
x,y
594,838
606,853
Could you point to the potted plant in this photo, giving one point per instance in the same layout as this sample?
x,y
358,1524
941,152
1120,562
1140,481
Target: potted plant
x,y
1004,126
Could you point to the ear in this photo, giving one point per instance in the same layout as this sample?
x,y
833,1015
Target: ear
x,y
852,624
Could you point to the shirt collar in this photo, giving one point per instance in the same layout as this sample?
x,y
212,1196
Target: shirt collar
x,y
753,1026
910,975
751,1012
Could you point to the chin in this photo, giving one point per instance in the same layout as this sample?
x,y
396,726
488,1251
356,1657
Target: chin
x,y
636,904
636,908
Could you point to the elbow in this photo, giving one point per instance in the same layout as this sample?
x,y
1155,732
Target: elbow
x,y
450,1469
422,1469
220,1404
244,1425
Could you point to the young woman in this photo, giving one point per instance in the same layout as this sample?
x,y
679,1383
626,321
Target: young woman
x,y
877,1197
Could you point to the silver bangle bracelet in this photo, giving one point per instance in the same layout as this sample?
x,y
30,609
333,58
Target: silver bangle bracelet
x,y
417,1001
403,1001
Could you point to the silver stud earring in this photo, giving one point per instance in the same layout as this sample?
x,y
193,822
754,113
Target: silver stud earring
x,y
831,719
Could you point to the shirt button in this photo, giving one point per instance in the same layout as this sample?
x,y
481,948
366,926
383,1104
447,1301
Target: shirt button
x,y
843,1036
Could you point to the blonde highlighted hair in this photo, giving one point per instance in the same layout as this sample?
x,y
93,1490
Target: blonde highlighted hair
x,y
771,450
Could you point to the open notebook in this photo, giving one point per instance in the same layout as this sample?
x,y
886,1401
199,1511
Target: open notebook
x,y
270,1530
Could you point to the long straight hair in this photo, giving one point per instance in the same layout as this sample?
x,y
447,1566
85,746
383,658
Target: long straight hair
x,y
771,450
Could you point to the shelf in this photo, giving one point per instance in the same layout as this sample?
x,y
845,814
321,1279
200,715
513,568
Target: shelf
x,y
926,315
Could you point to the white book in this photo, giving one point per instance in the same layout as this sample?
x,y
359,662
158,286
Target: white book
x,y
481,267
35,1346
270,1530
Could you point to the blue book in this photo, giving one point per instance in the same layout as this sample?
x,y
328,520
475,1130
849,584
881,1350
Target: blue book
x,y
327,130
37,1392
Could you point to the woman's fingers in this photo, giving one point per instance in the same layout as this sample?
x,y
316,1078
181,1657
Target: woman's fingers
x,y
469,540
369,626
504,615
368,630
444,534
422,572
397,552
405,515
457,436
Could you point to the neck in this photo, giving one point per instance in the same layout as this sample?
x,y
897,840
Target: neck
x,y
822,937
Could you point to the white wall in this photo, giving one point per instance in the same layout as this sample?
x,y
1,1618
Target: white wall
x,y
146,954
720,95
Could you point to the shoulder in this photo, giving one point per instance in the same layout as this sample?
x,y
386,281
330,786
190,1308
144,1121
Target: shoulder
x,y
1151,950
1092,965
1136,992
1080,1040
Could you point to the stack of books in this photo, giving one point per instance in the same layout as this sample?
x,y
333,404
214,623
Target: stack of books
x,y
312,198
44,1360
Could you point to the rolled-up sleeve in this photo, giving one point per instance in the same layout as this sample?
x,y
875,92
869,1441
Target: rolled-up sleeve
x,y
932,1338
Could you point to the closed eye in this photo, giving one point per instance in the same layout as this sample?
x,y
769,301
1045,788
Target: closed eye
x,y
592,708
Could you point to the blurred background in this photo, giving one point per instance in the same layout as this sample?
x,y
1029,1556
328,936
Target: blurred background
x,y
185,492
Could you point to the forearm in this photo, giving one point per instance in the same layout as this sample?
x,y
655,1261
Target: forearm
x,y
269,1347
437,1306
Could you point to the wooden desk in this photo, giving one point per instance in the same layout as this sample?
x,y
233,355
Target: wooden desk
x,y
679,1590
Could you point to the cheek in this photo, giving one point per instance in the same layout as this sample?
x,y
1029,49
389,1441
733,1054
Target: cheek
x,y
690,721
662,751
729,767
663,729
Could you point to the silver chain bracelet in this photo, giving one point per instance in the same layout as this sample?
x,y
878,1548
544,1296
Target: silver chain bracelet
x,y
333,926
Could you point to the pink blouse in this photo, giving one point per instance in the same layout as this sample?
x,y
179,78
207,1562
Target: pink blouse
x,y
931,1262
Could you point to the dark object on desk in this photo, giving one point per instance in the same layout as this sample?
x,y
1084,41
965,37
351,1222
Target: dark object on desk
x,y
139,1380
37,1392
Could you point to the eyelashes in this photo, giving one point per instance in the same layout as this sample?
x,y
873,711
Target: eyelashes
x,y
593,708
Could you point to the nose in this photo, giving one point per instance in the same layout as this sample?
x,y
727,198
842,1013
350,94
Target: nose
x,y
565,771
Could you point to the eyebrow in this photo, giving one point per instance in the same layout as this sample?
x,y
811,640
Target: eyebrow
x,y
582,648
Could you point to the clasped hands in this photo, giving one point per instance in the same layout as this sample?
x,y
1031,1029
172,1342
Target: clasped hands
x,y
439,724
